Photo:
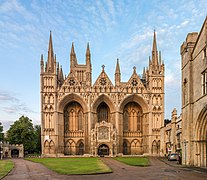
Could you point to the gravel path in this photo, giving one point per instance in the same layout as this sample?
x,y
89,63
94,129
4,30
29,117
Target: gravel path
x,y
157,170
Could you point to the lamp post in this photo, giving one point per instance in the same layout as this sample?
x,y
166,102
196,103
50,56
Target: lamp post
x,y
1,150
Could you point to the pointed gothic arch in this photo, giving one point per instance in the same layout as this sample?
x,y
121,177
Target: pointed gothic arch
x,y
49,147
70,147
46,147
73,117
134,98
103,112
80,147
132,117
71,98
105,99
154,147
136,147
201,138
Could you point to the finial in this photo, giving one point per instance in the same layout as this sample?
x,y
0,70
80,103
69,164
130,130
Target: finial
x,y
134,69
103,66
41,57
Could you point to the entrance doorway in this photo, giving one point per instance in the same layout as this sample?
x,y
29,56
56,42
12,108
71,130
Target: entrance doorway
x,y
103,150
14,153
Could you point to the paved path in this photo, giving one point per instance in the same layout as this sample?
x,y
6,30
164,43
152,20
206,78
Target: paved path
x,y
158,170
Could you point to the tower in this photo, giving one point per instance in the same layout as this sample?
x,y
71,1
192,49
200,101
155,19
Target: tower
x,y
50,79
155,84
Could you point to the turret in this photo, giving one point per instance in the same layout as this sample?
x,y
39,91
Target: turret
x,y
117,74
42,64
88,66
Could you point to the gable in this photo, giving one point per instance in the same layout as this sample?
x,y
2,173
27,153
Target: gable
x,y
103,80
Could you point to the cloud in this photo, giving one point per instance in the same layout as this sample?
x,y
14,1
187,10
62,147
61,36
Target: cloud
x,y
11,104
5,97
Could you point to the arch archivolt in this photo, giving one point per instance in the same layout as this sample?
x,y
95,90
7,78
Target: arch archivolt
x,y
71,98
200,141
201,125
106,99
134,98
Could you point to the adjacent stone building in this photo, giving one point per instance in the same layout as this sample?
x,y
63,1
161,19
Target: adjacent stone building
x,y
79,117
171,134
11,150
194,98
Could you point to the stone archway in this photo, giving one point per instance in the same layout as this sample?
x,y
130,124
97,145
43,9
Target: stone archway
x,y
14,153
200,155
103,150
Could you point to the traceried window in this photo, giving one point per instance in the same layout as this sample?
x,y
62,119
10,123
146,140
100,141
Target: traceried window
x,y
73,117
204,82
126,120
132,117
139,126
204,53
103,112
185,91
80,120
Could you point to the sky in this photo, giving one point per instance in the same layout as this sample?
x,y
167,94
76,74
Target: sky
x,y
114,29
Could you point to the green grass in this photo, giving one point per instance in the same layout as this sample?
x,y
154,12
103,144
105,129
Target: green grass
x,y
5,167
134,161
73,165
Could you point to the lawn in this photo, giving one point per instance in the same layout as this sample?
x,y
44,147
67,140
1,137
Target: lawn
x,y
73,165
134,161
5,167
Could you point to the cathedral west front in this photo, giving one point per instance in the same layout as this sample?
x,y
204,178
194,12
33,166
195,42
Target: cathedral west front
x,y
104,118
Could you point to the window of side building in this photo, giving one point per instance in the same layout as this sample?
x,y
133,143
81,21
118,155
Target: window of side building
x,y
204,82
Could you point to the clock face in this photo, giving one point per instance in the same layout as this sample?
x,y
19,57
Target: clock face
x,y
71,82
134,82
102,81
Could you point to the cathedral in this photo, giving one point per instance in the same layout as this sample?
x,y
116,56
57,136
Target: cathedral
x,y
104,118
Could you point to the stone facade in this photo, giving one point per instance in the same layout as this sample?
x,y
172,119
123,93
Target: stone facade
x,y
194,98
11,150
172,134
81,118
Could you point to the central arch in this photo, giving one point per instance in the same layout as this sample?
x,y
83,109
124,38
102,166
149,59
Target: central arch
x,y
103,150
134,98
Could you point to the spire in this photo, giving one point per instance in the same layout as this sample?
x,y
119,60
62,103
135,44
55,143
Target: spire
x,y
117,67
117,74
50,58
88,50
73,60
61,74
154,51
154,48
144,73
88,55
72,49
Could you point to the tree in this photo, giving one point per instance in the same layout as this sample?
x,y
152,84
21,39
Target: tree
x,y
22,132
1,132
37,129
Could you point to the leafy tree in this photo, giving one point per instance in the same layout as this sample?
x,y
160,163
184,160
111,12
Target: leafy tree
x,y
22,132
1,132
37,129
